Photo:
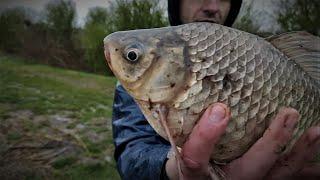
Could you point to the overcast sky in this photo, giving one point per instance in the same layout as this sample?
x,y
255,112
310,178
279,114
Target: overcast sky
x,y
82,6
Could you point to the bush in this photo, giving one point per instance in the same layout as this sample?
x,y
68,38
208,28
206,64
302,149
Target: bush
x,y
60,32
94,31
55,40
60,19
297,15
137,14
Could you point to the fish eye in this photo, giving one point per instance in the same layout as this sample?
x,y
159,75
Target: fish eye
x,y
132,55
133,52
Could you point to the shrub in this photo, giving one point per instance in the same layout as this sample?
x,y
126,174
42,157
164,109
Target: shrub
x,y
297,15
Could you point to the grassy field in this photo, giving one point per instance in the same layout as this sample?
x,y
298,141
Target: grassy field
x,y
54,123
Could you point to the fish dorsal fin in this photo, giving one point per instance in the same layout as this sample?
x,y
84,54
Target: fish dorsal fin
x,y
303,48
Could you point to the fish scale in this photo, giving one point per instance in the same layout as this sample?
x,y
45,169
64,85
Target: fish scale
x,y
275,75
254,77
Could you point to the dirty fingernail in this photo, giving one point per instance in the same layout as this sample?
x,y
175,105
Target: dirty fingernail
x,y
217,114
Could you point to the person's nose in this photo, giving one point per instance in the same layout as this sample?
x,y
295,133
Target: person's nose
x,y
210,7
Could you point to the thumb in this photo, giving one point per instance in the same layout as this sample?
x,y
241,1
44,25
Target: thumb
x,y
197,149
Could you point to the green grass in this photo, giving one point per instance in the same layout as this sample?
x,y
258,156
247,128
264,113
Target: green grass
x,y
92,171
44,89
4,109
64,162
14,136
47,91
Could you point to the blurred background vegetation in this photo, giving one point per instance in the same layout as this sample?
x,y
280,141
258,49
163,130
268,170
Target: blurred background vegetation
x,y
56,40
289,15
56,91
300,15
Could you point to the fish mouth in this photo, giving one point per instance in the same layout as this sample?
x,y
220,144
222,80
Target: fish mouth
x,y
107,56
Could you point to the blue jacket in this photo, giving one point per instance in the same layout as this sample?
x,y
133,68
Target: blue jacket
x,y
140,152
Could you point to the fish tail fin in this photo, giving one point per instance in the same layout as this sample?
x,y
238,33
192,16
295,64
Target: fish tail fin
x,y
301,47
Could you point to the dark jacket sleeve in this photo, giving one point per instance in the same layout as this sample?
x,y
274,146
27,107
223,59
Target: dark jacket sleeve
x,y
140,152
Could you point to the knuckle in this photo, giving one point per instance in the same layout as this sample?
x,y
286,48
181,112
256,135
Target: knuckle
x,y
280,148
282,130
279,135
279,139
191,164
206,136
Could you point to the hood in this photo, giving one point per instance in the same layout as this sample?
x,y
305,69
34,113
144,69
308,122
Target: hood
x,y
174,11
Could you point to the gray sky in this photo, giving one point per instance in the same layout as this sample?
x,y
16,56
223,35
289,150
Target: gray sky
x,y
82,6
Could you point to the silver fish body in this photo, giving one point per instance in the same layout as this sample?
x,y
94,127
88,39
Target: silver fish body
x,y
189,67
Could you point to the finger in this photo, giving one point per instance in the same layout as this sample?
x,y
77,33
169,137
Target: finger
x,y
259,159
197,149
310,171
303,151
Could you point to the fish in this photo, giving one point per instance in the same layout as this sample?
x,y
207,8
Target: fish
x,y
187,68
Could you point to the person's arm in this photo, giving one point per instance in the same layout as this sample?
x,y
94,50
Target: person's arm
x,y
140,152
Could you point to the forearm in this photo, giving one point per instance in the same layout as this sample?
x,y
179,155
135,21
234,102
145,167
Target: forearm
x,y
143,159
139,151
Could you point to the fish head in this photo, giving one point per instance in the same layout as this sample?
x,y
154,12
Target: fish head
x,y
148,63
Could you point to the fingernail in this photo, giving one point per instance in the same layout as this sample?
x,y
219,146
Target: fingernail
x,y
313,136
318,133
291,122
217,114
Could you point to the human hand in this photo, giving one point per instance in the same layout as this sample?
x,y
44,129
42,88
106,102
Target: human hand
x,y
261,161
264,161
197,149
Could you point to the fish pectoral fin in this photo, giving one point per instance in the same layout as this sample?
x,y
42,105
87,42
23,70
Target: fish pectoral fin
x,y
301,47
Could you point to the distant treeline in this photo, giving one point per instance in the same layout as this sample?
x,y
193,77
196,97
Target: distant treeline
x,y
56,40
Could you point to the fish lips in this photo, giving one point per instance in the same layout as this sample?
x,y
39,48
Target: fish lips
x,y
107,56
